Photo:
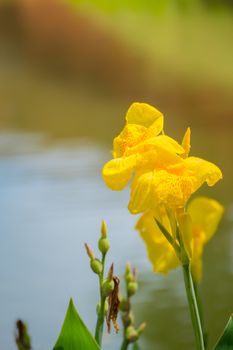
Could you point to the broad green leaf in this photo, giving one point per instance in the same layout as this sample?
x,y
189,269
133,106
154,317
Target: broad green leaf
x,y
74,334
226,340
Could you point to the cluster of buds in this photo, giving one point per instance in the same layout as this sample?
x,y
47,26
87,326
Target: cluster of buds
x,y
109,302
130,280
131,334
103,245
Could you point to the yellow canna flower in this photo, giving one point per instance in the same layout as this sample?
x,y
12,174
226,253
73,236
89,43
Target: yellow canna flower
x,y
164,173
205,216
139,145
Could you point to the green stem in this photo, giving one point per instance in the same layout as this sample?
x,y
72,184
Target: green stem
x,y
125,344
200,308
100,319
193,307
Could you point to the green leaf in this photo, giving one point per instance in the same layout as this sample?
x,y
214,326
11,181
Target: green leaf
x,y
168,236
165,232
226,340
74,334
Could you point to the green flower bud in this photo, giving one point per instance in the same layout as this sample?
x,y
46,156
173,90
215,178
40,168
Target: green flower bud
x,y
128,319
130,274
107,287
105,308
110,272
89,251
124,305
129,277
132,287
131,318
141,328
127,268
103,245
103,229
96,266
131,334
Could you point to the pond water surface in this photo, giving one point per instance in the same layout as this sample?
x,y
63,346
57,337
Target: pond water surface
x,y
52,200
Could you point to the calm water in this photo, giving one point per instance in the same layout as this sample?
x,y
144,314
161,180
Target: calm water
x,y
52,200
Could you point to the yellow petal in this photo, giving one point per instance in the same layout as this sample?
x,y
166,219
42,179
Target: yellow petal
x,y
206,214
130,136
142,198
170,144
203,171
153,188
117,172
159,143
146,115
186,142
160,252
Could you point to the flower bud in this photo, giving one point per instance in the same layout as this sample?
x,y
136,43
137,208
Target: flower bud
x,y
132,287
131,334
105,308
124,305
110,272
127,268
131,317
96,266
89,251
103,245
129,277
107,287
141,328
103,229
128,319
130,274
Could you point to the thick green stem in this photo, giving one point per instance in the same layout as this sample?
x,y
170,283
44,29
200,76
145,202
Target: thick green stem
x,y
125,344
193,307
100,319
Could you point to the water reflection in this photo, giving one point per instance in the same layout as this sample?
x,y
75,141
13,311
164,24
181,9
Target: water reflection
x,y
52,199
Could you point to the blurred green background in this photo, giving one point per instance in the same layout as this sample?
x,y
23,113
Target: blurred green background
x,y
68,72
